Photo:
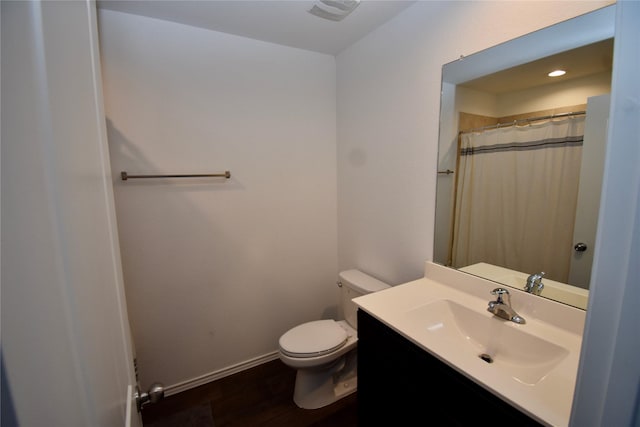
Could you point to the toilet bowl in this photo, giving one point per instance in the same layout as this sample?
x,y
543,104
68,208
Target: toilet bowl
x,y
324,352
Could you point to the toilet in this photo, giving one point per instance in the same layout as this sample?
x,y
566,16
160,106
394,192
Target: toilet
x,y
324,351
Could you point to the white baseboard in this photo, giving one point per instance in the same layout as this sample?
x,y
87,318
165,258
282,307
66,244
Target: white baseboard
x,y
216,375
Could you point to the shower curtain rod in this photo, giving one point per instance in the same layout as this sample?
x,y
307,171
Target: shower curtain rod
x,y
530,119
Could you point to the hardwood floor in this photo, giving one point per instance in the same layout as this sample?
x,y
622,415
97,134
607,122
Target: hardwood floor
x,y
261,396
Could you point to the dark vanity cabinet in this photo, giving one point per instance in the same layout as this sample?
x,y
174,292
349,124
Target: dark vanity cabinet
x,y
400,384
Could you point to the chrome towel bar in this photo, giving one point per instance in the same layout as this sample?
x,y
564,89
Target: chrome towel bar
x,y
125,176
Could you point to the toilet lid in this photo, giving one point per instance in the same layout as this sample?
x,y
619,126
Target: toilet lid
x,y
313,339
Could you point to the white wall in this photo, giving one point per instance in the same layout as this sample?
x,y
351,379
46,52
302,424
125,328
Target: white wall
x,y
545,97
571,92
475,101
388,89
217,270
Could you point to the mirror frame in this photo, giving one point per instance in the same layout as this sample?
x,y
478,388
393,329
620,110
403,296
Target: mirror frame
x,y
582,30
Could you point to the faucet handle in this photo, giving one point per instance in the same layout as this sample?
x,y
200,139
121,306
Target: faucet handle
x,y
534,283
536,277
500,292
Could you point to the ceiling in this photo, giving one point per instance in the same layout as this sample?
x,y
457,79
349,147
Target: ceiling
x,y
284,22
579,62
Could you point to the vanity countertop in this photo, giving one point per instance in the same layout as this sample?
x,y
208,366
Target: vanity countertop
x,y
535,364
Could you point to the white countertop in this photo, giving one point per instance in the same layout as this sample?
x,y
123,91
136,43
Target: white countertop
x,y
546,398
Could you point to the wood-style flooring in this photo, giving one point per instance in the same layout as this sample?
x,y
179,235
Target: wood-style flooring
x,y
260,396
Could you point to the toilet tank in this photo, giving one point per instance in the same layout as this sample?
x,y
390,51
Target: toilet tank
x,y
355,283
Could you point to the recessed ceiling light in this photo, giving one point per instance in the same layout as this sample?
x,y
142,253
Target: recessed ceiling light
x,y
557,73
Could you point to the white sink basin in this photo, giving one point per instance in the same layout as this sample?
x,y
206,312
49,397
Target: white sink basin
x,y
499,344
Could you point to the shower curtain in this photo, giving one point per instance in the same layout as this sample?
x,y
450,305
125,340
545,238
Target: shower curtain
x,y
516,197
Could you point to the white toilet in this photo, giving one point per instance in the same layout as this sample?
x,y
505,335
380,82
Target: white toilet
x,y
324,351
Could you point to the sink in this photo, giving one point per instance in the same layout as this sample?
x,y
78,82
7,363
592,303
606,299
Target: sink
x,y
532,367
500,345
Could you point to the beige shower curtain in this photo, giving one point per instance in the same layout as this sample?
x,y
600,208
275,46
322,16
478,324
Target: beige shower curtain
x,y
516,197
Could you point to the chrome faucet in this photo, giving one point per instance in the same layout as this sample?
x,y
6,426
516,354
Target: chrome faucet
x,y
501,307
534,283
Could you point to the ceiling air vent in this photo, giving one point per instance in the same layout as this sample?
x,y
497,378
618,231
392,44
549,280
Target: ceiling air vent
x,y
334,10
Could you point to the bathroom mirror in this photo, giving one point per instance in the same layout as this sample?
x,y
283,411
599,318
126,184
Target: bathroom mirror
x,y
502,109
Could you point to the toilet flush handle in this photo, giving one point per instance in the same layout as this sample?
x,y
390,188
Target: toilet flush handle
x,y
339,283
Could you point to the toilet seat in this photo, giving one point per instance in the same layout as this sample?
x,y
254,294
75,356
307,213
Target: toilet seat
x,y
313,339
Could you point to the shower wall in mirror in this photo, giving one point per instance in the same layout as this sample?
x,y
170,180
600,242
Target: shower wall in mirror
x,y
521,157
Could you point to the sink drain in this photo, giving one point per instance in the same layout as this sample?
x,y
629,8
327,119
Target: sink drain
x,y
487,358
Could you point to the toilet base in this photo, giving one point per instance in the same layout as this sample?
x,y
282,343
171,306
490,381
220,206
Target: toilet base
x,y
316,388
